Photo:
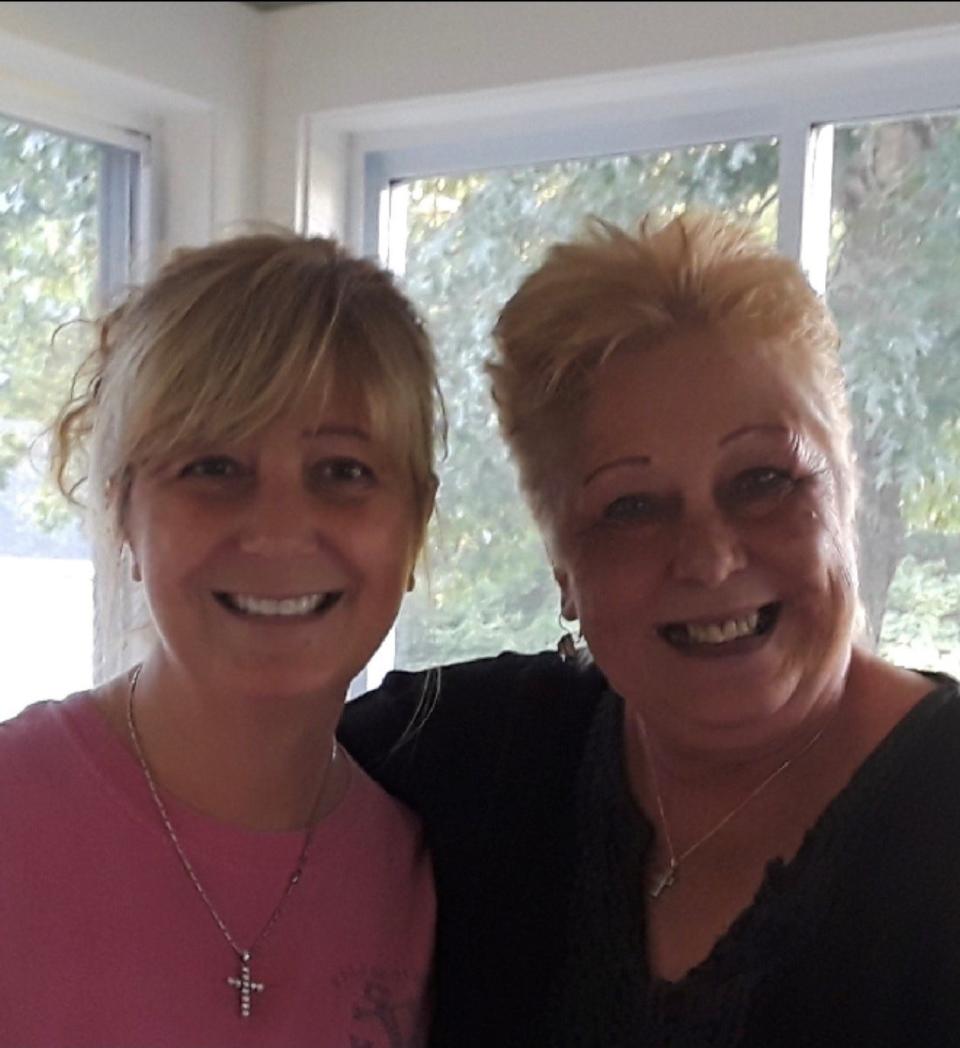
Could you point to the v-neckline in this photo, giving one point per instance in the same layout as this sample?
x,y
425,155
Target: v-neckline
x,y
792,896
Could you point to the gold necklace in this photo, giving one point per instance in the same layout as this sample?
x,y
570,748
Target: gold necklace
x,y
667,877
243,982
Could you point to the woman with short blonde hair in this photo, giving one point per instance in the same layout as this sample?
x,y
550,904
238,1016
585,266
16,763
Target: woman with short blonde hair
x,y
732,825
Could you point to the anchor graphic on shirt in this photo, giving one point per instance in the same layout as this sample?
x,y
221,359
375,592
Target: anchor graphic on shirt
x,y
380,1008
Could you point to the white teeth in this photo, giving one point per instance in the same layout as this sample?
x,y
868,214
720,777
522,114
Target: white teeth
x,y
721,632
289,606
710,634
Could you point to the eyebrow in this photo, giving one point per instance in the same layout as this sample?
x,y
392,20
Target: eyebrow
x,y
645,460
627,460
744,431
336,431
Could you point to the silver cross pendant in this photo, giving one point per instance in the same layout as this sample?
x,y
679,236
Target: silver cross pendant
x,y
245,985
663,881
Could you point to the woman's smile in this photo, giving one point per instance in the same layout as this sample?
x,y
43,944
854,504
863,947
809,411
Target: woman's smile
x,y
282,609
735,634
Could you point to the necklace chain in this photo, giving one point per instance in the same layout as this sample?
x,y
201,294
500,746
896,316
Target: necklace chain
x,y
667,877
244,983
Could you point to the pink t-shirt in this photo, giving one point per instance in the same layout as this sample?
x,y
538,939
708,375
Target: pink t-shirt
x,y
105,943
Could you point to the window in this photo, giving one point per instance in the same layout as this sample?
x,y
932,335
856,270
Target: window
x,y
892,285
67,212
852,160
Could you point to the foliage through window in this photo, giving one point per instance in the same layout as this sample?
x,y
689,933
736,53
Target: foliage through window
x,y
893,285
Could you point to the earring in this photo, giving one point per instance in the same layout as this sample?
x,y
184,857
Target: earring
x,y
567,647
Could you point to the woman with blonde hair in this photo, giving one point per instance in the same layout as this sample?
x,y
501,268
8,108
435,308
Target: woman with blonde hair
x,y
188,856
730,824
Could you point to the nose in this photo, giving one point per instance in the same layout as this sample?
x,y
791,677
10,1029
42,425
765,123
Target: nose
x,y
708,550
279,521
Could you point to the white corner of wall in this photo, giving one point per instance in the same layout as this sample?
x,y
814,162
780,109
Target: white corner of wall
x,y
322,179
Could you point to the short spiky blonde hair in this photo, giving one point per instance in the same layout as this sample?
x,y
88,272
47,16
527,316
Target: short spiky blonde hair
x,y
612,290
227,337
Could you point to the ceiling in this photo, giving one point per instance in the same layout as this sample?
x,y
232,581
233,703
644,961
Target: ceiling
x,y
260,6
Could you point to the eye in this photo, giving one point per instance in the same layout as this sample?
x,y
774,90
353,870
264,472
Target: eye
x,y
215,467
343,472
633,509
761,486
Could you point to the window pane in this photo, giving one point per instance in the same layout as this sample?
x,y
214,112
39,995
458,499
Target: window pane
x,y
52,207
893,285
463,244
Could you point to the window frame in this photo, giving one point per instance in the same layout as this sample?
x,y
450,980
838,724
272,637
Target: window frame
x,y
348,157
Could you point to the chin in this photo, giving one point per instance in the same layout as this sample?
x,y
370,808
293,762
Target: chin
x,y
276,680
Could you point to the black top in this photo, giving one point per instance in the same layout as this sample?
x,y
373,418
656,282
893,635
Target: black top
x,y
540,850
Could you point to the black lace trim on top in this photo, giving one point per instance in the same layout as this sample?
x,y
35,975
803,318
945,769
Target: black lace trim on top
x,y
607,995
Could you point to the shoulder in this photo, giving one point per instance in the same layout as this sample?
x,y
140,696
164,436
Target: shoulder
x,y
468,718
488,693
39,755
372,826
932,721
914,770
32,731
933,726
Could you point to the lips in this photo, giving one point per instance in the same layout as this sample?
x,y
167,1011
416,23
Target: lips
x,y
303,605
724,633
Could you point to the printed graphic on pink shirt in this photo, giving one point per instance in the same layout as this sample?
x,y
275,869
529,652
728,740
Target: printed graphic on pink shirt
x,y
388,1009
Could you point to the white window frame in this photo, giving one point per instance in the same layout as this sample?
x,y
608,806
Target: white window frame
x,y
350,157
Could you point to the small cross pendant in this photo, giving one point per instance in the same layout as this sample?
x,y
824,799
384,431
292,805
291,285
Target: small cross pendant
x,y
245,984
663,881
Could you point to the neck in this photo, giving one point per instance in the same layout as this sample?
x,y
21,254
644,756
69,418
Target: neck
x,y
258,764
725,763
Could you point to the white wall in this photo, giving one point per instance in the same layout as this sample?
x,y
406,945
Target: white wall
x,y
372,64
230,94
188,74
